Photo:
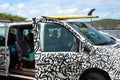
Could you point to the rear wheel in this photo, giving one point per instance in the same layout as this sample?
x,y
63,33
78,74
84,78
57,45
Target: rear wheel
x,y
94,76
2,78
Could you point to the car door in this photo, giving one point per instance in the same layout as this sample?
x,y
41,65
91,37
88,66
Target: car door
x,y
58,57
4,51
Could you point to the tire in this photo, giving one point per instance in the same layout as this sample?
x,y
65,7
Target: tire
x,y
2,78
94,76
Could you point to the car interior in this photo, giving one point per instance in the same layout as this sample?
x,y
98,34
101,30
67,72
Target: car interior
x,y
21,45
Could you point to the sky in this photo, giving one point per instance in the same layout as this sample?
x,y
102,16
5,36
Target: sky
x,y
35,8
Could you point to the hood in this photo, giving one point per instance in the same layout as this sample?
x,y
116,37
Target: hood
x,y
109,49
110,57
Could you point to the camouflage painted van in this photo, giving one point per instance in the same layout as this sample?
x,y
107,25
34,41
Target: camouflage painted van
x,y
52,49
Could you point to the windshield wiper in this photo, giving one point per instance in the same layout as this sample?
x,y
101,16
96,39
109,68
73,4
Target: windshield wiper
x,y
107,43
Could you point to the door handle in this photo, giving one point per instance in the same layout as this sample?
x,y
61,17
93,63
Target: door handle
x,y
44,63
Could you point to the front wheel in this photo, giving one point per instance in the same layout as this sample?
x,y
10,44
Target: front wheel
x,y
94,76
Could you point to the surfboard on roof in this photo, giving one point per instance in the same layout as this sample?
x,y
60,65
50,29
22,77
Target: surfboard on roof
x,y
65,17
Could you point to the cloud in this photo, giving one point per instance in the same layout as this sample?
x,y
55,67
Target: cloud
x,y
34,8
67,11
21,6
5,6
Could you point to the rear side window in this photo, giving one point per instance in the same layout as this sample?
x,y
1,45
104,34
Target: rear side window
x,y
2,36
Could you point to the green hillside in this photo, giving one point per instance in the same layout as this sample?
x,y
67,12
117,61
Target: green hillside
x,y
107,24
100,24
13,18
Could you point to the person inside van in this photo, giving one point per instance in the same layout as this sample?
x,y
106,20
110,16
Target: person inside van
x,y
13,52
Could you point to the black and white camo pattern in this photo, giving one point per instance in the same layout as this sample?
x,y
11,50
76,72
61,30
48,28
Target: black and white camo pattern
x,y
70,65
3,60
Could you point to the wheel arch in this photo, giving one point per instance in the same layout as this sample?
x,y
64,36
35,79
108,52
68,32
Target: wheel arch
x,y
104,73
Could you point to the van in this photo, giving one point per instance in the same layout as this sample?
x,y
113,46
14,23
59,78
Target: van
x,y
56,49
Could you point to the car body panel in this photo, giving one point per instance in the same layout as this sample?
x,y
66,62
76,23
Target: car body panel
x,y
69,65
100,57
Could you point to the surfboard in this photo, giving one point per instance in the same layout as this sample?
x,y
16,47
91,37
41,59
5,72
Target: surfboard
x,y
65,17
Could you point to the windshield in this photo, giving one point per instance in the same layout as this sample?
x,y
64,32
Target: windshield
x,y
91,33
2,36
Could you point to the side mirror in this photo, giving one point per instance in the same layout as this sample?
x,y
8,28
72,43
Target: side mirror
x,y
84,48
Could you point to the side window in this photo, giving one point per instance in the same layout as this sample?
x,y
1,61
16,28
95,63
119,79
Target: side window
x,y
58,39
2,36
25,32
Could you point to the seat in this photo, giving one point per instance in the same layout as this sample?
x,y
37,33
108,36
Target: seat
x,y
55,41
23,49
31,40
50,42
47,41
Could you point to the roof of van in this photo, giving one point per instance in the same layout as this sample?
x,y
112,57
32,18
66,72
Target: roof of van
x,y
5,21
15,23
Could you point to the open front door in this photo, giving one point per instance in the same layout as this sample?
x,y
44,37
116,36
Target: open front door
x,y
58,59
4,52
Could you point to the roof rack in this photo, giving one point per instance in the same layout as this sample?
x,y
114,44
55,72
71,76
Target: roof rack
x,y
65,17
